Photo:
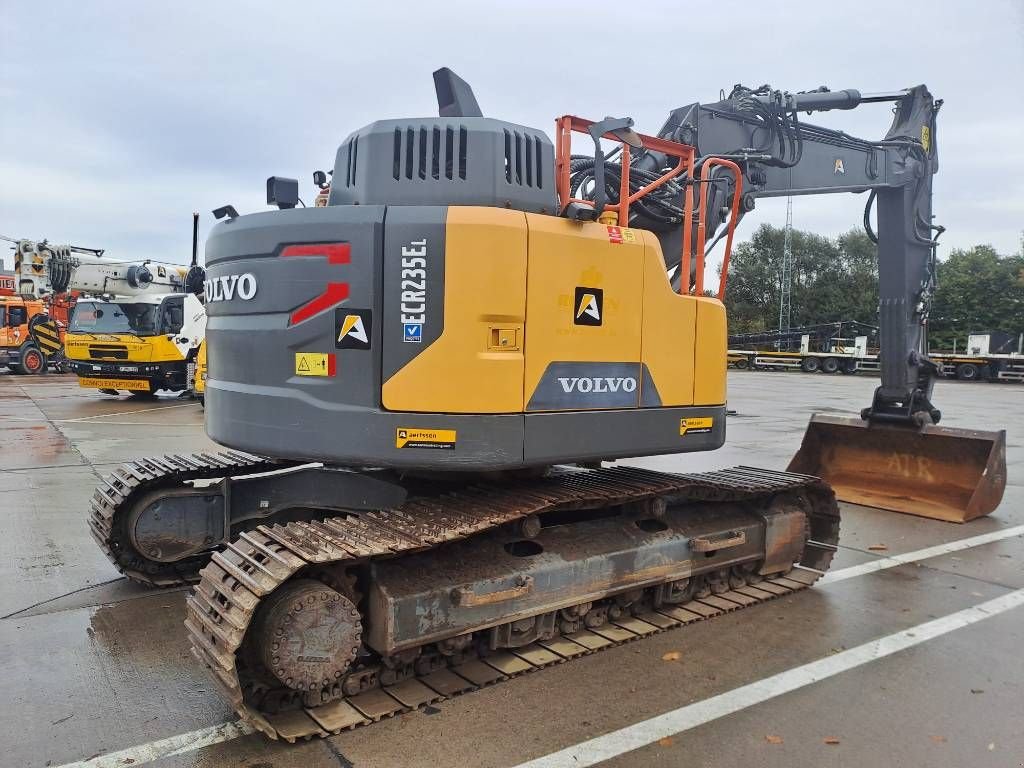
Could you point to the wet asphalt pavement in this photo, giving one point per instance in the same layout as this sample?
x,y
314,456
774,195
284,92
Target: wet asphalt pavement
x,y
91,664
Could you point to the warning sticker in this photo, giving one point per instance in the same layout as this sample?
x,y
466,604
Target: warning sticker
x,y
621,235
696,426
314,364
424,438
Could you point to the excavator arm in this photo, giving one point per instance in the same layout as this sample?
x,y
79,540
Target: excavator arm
x,y
894,456
780,155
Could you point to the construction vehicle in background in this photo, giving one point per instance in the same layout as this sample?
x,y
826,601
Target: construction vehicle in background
x,y
136,325
28,335
98,316
840,347
34,319
822,348
198,375
418,384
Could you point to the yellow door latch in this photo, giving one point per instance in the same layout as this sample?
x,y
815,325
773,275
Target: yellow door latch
x,y
503,339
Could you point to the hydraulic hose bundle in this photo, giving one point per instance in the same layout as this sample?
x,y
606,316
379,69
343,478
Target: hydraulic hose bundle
x,y
783,138
662,205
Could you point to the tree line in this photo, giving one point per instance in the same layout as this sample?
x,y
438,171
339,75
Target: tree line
x,y
836,279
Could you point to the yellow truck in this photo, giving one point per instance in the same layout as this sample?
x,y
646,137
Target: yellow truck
x,y
139,345
136,326
199,375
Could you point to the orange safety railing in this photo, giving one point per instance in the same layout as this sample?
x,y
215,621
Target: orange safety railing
x,y
686,156
705,178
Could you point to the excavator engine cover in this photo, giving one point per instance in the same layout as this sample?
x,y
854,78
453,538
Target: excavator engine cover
x,y
943,473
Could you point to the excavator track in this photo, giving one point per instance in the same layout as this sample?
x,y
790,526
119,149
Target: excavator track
x,y
238,580
116,495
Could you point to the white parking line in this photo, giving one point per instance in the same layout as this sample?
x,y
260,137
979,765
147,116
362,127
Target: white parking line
x,y
204,737
683,719
169,747
97,416
124,413
921,554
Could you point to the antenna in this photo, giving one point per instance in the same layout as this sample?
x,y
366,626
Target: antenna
x,y
195,238
786,292
196,276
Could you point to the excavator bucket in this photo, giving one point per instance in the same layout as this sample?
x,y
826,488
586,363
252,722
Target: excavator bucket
x,y
938,472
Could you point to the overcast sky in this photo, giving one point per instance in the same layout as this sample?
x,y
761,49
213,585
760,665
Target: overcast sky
x,y
121,118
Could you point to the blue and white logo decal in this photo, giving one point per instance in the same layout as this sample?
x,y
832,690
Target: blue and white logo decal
x,y
414,290
413,332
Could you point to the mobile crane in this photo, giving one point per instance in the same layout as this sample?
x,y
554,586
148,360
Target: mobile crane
x,y
33,320
136,325
435,364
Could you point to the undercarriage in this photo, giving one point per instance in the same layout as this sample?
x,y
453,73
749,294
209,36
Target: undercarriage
x,y
326,618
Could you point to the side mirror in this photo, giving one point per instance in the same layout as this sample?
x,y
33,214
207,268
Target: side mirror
x,y
282,192
320,179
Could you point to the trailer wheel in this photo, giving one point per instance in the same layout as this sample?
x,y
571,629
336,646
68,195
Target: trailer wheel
x,y
829,365
810,364
741,365
967,371
33,362
850,366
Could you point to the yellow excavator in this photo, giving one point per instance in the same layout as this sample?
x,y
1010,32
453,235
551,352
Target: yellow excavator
x,y
419,386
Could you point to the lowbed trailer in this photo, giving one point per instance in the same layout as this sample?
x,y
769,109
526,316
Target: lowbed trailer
x,y
953,366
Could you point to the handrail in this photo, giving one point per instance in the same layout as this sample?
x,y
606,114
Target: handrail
x,y
705,180
686,156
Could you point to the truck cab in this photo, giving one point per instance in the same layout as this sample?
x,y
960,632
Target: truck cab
x,y
18,351
140,344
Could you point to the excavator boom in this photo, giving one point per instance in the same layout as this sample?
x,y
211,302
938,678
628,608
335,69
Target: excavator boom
x,y
866,459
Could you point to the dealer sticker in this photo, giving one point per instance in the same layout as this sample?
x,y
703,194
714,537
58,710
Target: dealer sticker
x,y
425,438
696,425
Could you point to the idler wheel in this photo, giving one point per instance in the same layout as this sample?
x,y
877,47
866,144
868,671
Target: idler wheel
x,y
307,635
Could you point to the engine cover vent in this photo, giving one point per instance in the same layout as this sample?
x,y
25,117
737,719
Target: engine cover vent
x,y
446,161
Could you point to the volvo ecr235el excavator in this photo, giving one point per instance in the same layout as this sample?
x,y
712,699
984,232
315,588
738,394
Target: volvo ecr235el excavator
x,y
418,383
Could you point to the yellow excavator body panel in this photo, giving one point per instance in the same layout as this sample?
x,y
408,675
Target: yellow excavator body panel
x,y
476,366
540,311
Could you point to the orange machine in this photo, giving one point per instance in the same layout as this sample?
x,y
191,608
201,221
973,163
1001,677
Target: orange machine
x,y
30,332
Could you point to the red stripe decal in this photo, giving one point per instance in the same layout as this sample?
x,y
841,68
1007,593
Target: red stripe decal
x,y
331,366
336,253
335,294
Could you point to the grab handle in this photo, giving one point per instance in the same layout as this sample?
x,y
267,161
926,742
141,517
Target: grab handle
x,y
718,541
466,597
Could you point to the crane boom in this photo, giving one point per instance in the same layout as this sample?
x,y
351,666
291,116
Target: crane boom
x,y
42,269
